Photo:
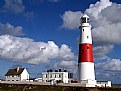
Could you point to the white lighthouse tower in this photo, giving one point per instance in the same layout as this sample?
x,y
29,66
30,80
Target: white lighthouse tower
x,y
85,58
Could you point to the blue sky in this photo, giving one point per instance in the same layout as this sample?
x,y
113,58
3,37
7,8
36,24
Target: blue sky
x,y
43,34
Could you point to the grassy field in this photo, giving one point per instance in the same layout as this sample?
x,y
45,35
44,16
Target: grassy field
x,y
24,87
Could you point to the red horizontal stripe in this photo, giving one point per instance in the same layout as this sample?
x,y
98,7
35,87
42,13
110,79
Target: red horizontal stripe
x,y
85,53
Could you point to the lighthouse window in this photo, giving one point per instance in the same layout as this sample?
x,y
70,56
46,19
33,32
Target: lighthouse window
x,y
87,20
82,51
87,37
83,20
87,47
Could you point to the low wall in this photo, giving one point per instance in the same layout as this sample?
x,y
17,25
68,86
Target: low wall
x,y
34,87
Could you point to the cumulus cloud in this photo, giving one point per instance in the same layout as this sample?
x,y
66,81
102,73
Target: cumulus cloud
x,y
109,70
100,52
65,52
114,14
105,20
15,6
107,34
95,9
10,29
111,64
28,51
68,64
71,19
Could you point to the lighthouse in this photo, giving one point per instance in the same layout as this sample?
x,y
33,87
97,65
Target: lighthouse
x,y
86,72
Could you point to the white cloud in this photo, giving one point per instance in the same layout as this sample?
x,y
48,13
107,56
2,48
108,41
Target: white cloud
x,y
111,64
10,29
100,52
68,64
105,20
71,20
65,52
15,6
106,23
95,9
109,70
28,51
108,34
114,14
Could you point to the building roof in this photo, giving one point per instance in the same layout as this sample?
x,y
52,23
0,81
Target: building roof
x,y
12,72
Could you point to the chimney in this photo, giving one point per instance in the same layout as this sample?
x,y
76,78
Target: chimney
x,y
17,69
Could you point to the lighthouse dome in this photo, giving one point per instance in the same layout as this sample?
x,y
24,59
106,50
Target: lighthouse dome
x,y
84,21
85,16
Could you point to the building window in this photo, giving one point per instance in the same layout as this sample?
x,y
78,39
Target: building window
x,y
12,80
55,75
45,75
59,75
83,30
87,37
16,80
50,75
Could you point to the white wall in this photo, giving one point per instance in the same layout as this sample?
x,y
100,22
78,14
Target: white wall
x,y
13,78
86,71
24,75
65,77
47,76
104,84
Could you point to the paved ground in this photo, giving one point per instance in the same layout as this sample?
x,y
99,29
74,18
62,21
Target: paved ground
x,y
41,83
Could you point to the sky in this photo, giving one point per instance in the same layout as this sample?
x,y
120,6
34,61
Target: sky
x,y
43,34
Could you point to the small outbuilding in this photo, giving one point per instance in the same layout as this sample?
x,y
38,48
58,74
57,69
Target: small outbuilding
x,y
103,84
17,74
55,76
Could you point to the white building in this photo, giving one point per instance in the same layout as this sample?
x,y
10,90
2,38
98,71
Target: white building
x,y
38,80
17,74
103,84
55,76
